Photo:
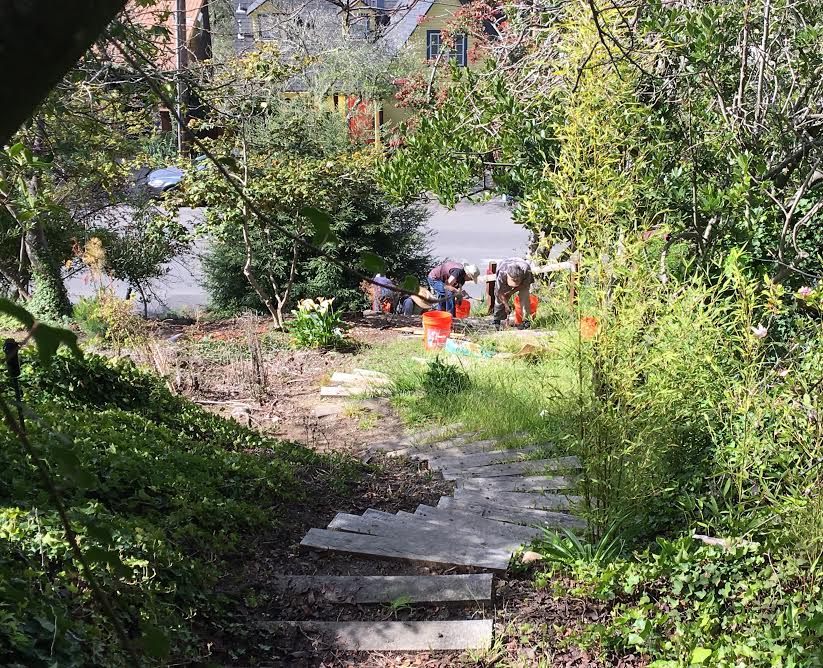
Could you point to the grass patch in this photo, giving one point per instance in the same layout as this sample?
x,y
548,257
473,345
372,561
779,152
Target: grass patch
x,y
504,396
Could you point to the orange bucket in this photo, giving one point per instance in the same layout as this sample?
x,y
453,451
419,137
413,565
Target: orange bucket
x,y
533,302
589,327
463,309
437,325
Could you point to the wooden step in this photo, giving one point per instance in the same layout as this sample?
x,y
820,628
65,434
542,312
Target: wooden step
x,y
515,484
394,636
456,445
535,500
525,468
341,378
419,549
526,516
469,460
387,588
392,525
474,522
436,433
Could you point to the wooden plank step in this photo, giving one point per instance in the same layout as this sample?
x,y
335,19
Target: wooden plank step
x,y
341,378
422,437
516,484
341,391
387,588
432,551
474,522
455,529
468,460
395,636
530,467
376,523
456,444
533,500
370,373
527,516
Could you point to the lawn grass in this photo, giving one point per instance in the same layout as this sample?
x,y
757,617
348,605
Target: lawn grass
x,y
516,400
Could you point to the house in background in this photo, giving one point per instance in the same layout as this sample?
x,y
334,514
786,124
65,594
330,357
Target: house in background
x,y
409,27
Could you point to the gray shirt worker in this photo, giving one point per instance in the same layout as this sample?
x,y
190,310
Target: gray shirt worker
x,y
513,275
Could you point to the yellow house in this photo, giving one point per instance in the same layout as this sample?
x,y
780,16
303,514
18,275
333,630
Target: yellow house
x,y
408,27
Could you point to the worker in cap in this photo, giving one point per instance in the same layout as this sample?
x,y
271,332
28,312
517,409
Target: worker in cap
x,y
446,281
513,275
419,303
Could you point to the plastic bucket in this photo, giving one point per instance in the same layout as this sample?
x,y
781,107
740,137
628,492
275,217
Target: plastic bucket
x,y
463,309
533,302
437,325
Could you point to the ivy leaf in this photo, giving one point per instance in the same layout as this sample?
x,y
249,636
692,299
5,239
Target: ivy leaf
x,y
17,312
155,642
321,222
49,339
699,655
373,263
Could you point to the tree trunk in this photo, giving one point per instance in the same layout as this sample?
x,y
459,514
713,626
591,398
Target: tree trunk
x,y
252,279
49,298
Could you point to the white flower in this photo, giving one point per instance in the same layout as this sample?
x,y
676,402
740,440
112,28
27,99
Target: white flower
x,y
805,291
760,331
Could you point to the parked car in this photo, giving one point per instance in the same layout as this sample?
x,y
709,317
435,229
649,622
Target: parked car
x,y
158,181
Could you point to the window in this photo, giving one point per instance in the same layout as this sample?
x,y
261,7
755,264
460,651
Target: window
x,y
434,43
264,26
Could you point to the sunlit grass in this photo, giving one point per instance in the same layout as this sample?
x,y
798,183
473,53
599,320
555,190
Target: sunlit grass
x,y
510,398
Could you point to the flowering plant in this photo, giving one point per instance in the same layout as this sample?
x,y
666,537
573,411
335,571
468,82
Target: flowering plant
x,y
316,324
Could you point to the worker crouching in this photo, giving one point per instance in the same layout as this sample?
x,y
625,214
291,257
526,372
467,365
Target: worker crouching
x,y
513,276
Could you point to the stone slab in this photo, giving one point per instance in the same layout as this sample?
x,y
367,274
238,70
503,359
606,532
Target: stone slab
x,y
433,551
387,588
395,636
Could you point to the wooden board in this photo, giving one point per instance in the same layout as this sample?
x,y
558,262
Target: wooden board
x,y
433,551
475,522
531,467
370,373
394,636
387,588
422,451
340,391
468,460
536,500
376,523
516,484
436,433
526,516
340,378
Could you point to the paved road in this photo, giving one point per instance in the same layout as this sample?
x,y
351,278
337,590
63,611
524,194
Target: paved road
x,y
471,232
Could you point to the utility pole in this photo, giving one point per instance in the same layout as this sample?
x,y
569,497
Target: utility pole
x,y
182,65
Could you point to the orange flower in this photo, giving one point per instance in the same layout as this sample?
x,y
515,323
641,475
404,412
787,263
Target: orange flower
x,y
589,327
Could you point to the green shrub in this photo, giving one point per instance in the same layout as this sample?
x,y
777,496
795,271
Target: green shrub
x,y
686,603
176,494
316,324
442,379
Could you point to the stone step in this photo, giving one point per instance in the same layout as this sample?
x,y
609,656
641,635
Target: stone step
x,y
476,588
394,636
524,468
429,550
540,484
525,516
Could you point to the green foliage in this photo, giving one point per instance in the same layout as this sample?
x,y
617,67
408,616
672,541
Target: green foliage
x,y
442,379
111,319
685,603
316,324
567,548
171,496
